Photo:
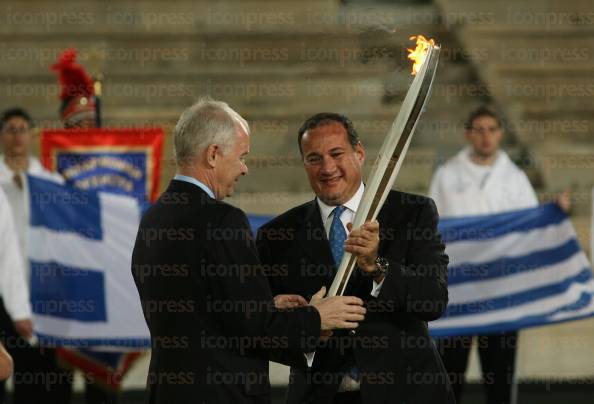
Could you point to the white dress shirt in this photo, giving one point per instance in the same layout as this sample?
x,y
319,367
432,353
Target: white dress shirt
x,y
327,214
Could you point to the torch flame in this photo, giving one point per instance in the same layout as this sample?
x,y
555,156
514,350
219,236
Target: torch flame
x,y
419,54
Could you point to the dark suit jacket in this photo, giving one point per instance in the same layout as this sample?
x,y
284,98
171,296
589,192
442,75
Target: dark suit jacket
x,y
396,358
208,304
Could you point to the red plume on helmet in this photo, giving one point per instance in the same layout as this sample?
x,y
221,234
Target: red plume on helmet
x,y
77,92
73,78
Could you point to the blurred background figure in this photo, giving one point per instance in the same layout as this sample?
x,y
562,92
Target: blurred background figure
x,y
37,376
16,160
481,179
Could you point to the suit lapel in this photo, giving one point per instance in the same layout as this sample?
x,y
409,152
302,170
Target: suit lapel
x,y
391,221
313,240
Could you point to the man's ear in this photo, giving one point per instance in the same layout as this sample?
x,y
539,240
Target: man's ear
x,y
212,152
467,135
360,151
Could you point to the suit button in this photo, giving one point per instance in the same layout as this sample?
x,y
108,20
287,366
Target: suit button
x,y
353,332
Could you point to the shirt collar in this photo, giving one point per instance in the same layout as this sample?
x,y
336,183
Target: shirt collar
x,y
34,165
194,181
466,153
352,204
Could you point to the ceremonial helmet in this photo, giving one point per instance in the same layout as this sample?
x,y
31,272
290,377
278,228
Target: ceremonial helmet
x,y
79,104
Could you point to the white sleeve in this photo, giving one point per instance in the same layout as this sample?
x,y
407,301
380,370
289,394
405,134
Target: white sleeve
x,y
527,197
13,286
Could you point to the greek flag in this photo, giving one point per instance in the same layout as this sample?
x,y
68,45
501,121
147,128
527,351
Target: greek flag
x,y
514,270
80,247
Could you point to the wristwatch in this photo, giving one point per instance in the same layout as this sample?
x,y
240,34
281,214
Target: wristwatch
x,y
381,266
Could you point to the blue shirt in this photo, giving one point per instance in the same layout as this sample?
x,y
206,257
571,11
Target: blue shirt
x,y
194,181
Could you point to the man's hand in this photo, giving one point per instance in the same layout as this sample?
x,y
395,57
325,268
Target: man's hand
x,y
24,328
283,302
364,244
564,201
6,364
338,311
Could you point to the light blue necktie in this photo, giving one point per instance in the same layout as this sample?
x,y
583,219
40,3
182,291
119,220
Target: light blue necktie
x,y
337,235
337,238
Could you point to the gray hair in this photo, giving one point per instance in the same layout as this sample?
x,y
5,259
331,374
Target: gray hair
x,y
204,123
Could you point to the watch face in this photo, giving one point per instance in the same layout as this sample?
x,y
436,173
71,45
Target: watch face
x,y
382,265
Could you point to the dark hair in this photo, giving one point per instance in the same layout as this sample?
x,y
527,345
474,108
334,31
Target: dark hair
x,y
12,113
325,118
481,111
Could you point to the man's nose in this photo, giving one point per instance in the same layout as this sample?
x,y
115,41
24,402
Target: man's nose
x,y
328,165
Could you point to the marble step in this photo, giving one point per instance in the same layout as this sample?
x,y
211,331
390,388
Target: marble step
x,y
527,13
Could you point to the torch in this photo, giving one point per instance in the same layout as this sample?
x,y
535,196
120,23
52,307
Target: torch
x,y
387,165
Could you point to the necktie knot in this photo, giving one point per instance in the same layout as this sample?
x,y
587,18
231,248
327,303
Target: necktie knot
x,y
338,211
18,180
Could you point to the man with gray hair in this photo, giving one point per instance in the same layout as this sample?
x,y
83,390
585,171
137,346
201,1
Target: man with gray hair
x,y
214,323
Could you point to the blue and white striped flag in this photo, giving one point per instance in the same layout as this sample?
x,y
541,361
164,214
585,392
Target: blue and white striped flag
x,y
514,270
80,247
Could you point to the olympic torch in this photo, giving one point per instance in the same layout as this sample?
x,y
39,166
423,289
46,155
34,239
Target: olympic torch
x,y
393,150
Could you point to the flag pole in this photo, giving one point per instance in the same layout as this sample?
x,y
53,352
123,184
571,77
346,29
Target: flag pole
x,y
515,379
98,88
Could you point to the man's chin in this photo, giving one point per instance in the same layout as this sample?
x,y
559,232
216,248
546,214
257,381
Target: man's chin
x,y
331,199
485,154
229,193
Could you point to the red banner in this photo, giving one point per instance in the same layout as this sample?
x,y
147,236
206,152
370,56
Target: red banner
x,y
124,161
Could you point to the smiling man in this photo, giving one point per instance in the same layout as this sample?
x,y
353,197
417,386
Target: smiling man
x,y
401,275
213,321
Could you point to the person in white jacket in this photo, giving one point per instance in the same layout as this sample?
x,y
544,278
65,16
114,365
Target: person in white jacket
x,y
16,162
34,367
482,179
14,138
